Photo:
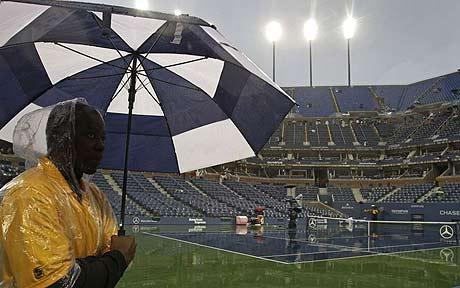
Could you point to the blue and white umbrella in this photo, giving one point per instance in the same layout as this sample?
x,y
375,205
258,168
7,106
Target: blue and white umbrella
x,y
196,100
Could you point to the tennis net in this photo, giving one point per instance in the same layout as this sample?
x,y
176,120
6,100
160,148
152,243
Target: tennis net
x,y
422,231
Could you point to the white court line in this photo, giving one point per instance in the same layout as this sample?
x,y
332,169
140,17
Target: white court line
x,y
350,249
313,244
215,248
355,237
359,249
195,232
319,252
393,254
404,245
335,246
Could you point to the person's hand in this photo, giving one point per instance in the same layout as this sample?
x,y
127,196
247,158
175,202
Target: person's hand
x,y
126,245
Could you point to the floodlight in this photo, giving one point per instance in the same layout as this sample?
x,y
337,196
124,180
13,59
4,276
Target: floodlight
x,y
349,27
310,29
177,12
273,31
142,4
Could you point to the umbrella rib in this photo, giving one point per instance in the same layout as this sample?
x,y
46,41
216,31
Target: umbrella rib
x,y
142,83
94,77
116,94
121,88
153,45
176,64
171,83
111,41
88,56
145,87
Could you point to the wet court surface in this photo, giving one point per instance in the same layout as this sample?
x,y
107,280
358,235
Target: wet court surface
x,y
187,256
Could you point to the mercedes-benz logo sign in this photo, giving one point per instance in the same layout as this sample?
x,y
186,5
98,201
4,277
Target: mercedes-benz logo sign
x,y
312,238
447,255
136,220
312,223
446,232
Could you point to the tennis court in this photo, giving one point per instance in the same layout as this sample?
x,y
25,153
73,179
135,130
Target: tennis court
x,y
336,254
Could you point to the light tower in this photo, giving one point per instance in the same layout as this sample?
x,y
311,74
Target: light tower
x,y
273,32
142,4
349,28
310,30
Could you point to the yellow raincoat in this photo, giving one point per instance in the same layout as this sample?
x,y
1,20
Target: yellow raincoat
x,y
44,227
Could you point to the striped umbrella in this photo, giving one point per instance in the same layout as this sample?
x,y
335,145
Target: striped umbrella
x,y
175,94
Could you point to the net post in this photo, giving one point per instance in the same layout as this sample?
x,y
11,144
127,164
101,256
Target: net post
x,y
457,230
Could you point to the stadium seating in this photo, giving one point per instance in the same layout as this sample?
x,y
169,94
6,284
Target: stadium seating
x,y
114,197
341,135
8,170
414,92
225,195
341,194
182,191
309,193
409,193
448,193
356,133
357,98
391,94
372,194
319,101
428,127
272,207
442,90
148,197
365,133
452,128
314,102
385,128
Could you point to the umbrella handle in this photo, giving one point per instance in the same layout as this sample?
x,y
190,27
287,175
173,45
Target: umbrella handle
x,y
121,231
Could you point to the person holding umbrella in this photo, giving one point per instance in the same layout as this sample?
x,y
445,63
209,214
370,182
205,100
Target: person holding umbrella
x,y
58,230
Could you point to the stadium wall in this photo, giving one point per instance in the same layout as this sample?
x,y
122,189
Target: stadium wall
x,y
443,212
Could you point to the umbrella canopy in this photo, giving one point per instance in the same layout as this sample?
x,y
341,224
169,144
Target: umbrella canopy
x,y
196,100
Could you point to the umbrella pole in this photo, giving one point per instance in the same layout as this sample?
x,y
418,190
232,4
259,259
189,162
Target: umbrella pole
x,y
131,97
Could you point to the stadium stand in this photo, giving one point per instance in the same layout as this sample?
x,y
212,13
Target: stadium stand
x,y
150,198
452,128
444,90
272,206
355,99
391,94
225,195
365,133
390,143
341,194
373,194
409,193
319,101
309,193
113,196
414,92
314,102
447,193
182,191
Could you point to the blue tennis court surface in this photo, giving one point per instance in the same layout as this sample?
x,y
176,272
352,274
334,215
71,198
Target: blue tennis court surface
x,y
322,243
